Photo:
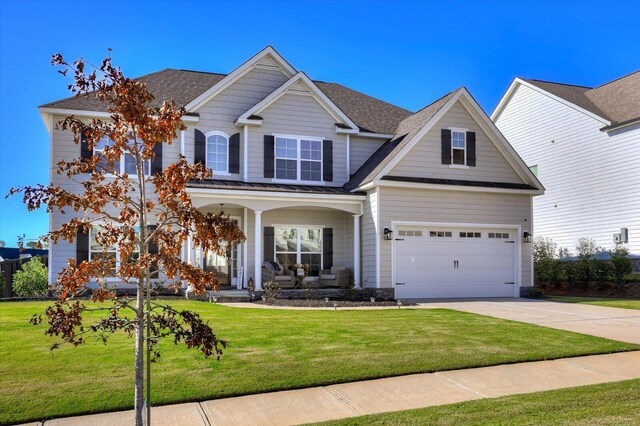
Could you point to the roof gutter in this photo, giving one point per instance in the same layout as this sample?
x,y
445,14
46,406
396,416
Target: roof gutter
x,y
616,126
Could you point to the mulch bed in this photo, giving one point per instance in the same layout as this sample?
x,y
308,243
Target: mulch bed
x,y
624,291
313,303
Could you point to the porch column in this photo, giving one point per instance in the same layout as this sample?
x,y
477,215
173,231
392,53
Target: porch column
x,y
356,250
258,250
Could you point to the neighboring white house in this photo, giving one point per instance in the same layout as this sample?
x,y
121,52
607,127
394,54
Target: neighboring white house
x,y
431,204
584,145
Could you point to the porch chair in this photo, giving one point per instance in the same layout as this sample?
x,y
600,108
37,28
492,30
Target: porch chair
x,y
272,271
336,276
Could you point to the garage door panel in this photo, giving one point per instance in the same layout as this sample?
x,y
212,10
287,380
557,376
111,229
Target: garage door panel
x,y
454,266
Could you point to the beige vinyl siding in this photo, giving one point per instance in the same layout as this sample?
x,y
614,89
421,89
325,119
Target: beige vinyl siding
x,y
360,149
369,232
399,204
297,115
591,177
424,159
220,113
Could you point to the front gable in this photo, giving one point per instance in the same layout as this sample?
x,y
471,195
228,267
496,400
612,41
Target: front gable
x,y
424,159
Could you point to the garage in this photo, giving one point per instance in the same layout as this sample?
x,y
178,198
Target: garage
x,y
454,262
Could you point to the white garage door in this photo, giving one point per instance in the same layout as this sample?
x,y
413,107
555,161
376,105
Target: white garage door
x,y
438,262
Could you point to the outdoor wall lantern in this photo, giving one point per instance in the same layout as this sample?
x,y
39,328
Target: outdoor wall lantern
x,y
388,234
527,237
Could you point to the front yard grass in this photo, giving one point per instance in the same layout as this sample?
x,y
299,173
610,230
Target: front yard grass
x,y
600,301
614,404
269,350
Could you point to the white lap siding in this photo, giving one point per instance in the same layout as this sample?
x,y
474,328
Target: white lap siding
x,y
453,207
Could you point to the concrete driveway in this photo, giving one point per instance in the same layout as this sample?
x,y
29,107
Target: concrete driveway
x,y
611,323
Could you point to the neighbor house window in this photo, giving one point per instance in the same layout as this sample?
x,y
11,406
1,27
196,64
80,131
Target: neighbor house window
x,y
298,159
534,170
299,245
127,162
218,152
458,148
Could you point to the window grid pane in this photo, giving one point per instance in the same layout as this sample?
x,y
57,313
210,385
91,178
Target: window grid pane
x,y
217,153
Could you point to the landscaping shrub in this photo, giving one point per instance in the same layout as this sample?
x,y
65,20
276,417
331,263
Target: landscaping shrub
x,y
568,272
271,290
532,293
621,265
32,279
310,290
602,273
546,266
586,266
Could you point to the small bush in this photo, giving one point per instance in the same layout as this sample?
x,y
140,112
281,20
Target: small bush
x,y
602,273
271,290
310,290
544,248
621,265
568,272
532,293
586,268
32,279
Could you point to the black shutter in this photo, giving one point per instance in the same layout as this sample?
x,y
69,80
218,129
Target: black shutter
x,y
153,247
471,149
156,163
85,151
234,153
327,248
446,146
200,148
82,246
327,160
269,148
269,244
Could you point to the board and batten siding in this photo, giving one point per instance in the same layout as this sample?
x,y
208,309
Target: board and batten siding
x,y
360,149
591,177
298,115
416,205
221,112
424,159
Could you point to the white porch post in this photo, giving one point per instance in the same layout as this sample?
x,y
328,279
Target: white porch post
x,y
258,250
356,250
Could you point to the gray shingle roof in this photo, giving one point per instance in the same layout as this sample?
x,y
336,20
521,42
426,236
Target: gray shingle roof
x,y
183,86
270,187
616,101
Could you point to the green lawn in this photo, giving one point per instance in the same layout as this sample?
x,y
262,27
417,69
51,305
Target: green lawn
x,y
270,350
601,301
614,404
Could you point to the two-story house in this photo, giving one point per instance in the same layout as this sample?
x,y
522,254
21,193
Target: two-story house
x,y
583,143
428,204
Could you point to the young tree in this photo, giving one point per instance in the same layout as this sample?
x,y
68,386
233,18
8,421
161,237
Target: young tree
x,y
31,279
145,217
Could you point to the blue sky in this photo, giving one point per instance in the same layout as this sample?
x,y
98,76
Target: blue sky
x,y
406,53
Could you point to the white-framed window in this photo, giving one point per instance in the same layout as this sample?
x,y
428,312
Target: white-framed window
x,y
298,158
500,235
470,234
218,152
299,245
441,234
127,161
458,147
96,252
534,170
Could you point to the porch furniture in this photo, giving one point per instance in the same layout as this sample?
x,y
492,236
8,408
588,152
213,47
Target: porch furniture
x,y
271,271
336,276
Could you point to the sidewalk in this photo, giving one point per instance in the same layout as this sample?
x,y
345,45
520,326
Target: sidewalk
x,y
390,394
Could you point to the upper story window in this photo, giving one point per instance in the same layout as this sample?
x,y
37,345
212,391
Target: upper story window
x,y
127,162
458,148
218,152
298,158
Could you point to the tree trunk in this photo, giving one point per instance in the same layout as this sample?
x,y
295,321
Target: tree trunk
x,y
140,349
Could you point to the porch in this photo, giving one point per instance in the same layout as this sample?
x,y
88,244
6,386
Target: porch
x,y
318,226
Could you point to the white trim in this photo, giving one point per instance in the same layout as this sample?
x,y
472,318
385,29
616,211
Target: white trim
x,y
258,249
245,247
319,96
376,135
236,74
418,185
341,131
51,245
348,157
97,114
481,118
378,236
182,142
460,166
206,150
495,115
277,196
517,243
245,153
356,251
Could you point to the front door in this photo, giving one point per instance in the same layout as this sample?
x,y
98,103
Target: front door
x,y
225,265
